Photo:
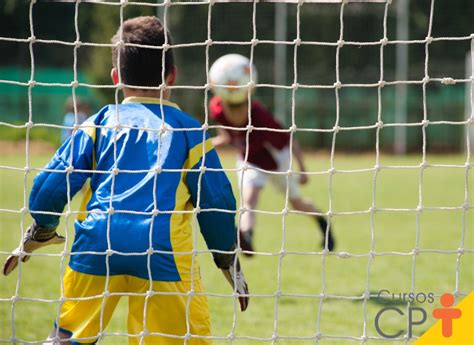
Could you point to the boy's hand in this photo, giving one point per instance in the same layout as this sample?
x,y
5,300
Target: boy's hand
x,y
35,238
303,179
232,271
235,277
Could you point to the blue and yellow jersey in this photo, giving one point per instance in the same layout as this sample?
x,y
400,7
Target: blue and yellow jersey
x,y
150,165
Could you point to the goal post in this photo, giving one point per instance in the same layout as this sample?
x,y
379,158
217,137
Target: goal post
x,y
469,100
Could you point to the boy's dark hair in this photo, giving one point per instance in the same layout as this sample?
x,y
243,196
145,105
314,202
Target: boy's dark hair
x,y
142,66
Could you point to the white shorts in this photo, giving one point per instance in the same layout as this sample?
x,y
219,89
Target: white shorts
x,y
257,178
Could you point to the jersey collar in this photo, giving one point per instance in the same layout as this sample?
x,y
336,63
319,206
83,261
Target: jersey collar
x,y
149,100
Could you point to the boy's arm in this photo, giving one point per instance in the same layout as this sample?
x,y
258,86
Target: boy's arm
x,y
298,154
211,191
49,195
60,180
222,138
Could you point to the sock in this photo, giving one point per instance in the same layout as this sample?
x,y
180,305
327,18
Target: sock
x,y
323,225
247,235
246,241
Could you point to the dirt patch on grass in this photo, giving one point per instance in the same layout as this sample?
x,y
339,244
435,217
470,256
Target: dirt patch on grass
x,y
19,147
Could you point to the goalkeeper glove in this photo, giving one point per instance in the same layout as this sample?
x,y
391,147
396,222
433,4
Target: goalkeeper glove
x,y
34,238
232,271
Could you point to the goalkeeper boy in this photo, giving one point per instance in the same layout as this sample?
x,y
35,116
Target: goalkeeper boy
x,y
264,149
143,158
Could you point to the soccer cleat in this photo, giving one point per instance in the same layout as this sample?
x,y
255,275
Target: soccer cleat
x,y
245,238
323,225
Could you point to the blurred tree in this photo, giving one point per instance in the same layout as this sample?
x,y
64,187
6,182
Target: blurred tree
x,y
230,21
315,64
102,23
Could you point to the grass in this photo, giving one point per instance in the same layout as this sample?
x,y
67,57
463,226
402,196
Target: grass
x,y
300,278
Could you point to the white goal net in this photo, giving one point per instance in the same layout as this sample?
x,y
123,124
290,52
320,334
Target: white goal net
x,y
386,127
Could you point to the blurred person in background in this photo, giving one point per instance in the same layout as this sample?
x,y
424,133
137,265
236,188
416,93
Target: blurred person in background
x,y
82,108
265,152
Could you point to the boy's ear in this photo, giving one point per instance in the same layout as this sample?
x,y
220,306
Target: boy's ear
x,y
171,77
114,76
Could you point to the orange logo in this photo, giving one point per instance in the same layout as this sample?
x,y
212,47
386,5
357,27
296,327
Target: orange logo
x,y
447,314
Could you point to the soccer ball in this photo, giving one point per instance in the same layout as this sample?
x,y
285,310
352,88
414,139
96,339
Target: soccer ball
x,y
232,70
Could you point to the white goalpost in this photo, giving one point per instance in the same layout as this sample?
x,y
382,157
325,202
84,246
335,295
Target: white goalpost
x,y
284,90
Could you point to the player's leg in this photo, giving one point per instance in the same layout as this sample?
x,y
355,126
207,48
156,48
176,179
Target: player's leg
x,y
82,320
251,182
250,194
300,204
171,315
284,182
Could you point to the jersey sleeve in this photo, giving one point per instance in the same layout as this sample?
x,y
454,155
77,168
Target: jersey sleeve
x,y
265,119
211,191
215,108
50,187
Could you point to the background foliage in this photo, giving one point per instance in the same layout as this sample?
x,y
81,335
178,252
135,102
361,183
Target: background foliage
x,y
315,64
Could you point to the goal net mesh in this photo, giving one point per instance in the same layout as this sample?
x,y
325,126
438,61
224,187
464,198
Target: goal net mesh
x,y
323,300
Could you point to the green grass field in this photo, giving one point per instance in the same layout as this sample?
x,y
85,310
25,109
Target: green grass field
x,y
303,275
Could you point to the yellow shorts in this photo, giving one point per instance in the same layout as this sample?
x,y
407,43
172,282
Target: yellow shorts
x,y
165,313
